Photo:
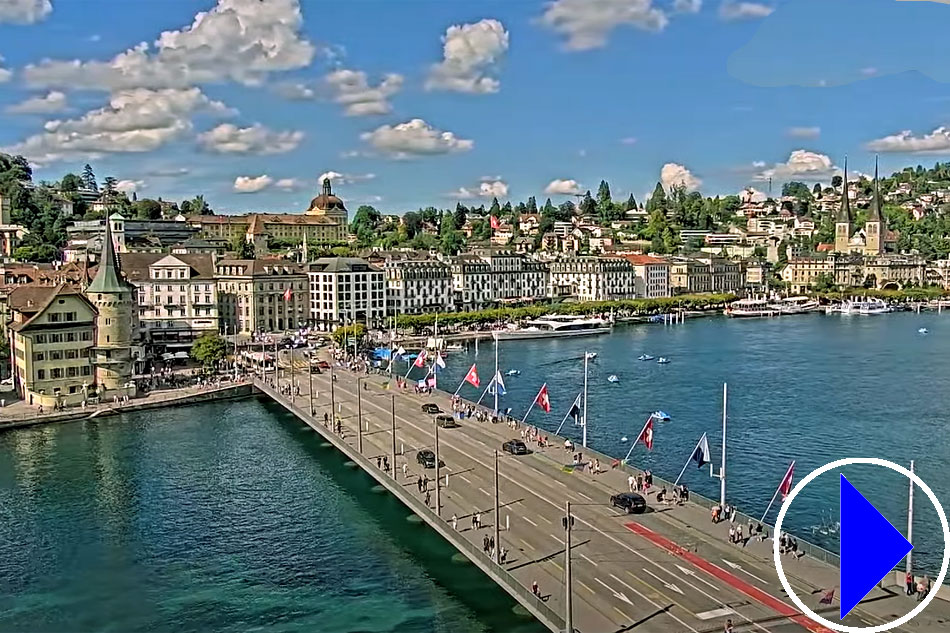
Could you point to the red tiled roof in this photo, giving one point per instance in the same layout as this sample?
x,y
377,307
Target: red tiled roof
x,y
825,248
640,260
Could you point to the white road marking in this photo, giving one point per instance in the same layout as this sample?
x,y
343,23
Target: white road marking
x,y
530,521
557,539
585,496
465,479
715,613
668,585
617,594
690,572
738,567
669,613
589,560
486,493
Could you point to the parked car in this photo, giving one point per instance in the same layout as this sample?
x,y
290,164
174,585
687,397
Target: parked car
x,y
426,458
515,447
629,502
430,408
446,421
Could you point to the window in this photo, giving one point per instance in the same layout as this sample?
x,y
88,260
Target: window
x,y
85,336
86,370
70,337
39,356
71,354
70,372
55,338
39,339
41,374
56,372
56,355
54,317
70,316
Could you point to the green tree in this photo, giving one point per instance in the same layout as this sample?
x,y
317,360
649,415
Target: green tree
x,y
365,224
341,335
631,204
824,282
199,206
242,248
147,209
413,223
461,214
89,178
533,205
657,201
796,189
209,349
816,191
835,182
108,186
450,240
548,209
70,182
587,205
603,194
495,209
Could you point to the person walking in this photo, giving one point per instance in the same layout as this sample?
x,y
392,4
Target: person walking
x,y
474,522
419,483
909,583
455,521
405,470
485,544
630,481
478,520
728,628
427,498
534,589
732,534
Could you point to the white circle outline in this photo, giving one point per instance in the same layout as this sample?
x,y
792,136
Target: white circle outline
x,y
843,628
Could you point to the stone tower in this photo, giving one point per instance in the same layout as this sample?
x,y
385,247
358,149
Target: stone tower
x,y
874,227
114,299
843,217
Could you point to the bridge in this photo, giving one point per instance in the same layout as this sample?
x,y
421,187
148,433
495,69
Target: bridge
x,y
667,570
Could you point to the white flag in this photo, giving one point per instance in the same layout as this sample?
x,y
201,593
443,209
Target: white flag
x,y
701,455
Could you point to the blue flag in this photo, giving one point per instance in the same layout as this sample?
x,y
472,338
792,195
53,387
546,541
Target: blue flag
x,y
701,454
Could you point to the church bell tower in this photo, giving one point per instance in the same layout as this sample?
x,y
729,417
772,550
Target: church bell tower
x,y
843,217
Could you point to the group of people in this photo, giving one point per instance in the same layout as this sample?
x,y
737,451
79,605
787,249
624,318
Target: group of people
x,y
719,513
640,483
678,496
922,586
532,434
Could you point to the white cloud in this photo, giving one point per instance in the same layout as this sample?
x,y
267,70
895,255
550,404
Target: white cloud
x,y
257,139
415,138
804,132
5,75
801,165
167,172
134,121
562,187
24,11
471,53
628,140
240,40
490,188
936,142
687,6
588,23
352,90
289,184
295,91
129,186
675,175
343,179
731,10
250,184
51,103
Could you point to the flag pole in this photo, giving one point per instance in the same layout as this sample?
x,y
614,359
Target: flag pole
x,y
639,435
496,374
722,467
790,467
411,365
584,437
532,402
688,460
484,393
566,415
461,384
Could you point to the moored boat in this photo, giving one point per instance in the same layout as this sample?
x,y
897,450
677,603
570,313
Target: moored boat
x,y
865,306
745,308
554,326
645,357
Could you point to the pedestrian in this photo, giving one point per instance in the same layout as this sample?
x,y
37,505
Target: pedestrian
x,y
478,520
326,419
921,589
739,535
425,483
427,498
419,483
503,556
386,464
485,544
491,543
630,481
455,521
639,483
728,628
534,589
909,582
474,522
732,534
379,462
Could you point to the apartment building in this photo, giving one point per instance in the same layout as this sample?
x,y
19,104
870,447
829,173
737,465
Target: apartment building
x,y
593,278
346,290
418,287
261,295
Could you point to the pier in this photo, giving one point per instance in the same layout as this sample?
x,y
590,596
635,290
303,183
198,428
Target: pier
x,y
667,570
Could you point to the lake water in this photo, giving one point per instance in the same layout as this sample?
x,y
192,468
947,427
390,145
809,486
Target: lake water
x,y
812,388
227,516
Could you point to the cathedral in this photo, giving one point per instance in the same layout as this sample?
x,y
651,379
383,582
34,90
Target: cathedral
x,y
328,205
871,243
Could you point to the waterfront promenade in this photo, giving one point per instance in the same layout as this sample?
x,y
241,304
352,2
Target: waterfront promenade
x,y
667,570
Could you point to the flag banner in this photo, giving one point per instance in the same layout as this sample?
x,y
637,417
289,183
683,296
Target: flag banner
x,y
495,222
786,486
472,377
497,383
828,598
646,436
401,351
439,361
288,294
701,455
543,400
575,410
431,382
420,359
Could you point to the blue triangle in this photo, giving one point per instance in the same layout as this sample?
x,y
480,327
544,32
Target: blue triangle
x,y
870,547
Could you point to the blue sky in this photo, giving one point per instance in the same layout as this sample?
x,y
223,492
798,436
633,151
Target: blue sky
x,y
253,102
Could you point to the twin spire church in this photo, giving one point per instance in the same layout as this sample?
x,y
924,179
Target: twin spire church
x,y
872,242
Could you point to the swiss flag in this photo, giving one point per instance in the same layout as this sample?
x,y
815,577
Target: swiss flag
x,y
647,435
472,377
288,294
495,222
543,400
786,486
420,359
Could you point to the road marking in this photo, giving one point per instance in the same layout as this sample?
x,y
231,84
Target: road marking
x,y
656,605
715,613
545,519
752,591
617,594
556,539
585,496
560,483
530,521
465,479
486,493
690,572
526,544
581,583
558,566
691,585
738,567
668,585
589,560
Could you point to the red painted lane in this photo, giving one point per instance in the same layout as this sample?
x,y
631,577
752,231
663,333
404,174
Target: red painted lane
x,y
737,583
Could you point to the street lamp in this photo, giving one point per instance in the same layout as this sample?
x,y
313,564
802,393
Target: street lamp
x,y
359,417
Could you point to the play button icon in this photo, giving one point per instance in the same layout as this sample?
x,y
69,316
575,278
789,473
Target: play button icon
x,y
870,547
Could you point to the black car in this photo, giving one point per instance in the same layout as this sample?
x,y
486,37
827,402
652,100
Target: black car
x,y
446,421
515,447
426,458
629,502
428,407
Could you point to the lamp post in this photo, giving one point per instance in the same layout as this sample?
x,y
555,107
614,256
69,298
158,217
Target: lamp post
x,y
359,417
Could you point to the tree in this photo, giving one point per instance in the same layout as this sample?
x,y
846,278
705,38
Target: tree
x,y
588,206
506,210
603,193
824,282
209,349
549,208
658,200
796,189
533,205
341,335
816,191
365,224
147,209
835,182
108,186
413,223
495,209
450,240
89,178
198,206
70,182
242,248
631,204
461,214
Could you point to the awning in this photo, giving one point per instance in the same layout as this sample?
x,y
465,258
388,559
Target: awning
x,y
181,355
168,356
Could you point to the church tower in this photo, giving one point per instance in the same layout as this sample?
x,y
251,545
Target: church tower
x,y
114,299
874,228
843,217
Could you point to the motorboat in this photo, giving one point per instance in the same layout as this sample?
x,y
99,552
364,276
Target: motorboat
x,y
554,326
455,347
645,357
751,308
591,355
513,372
922,330
661,416
613,378
662,361
865,306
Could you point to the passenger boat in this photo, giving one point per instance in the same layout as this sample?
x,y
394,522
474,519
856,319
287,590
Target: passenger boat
x,y
613,378
454,347
645,357
922,330
751,308
796,305
554,326
865,306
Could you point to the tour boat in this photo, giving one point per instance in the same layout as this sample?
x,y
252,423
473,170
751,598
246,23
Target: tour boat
x,y
796,305
554,326
645,357
613,378
454,347
865,306
514,372
661,416
751,308
662,361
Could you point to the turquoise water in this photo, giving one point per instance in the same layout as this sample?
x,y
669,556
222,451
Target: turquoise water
x,y
224,516
812,388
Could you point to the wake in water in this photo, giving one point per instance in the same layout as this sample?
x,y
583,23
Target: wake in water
x,y
829,525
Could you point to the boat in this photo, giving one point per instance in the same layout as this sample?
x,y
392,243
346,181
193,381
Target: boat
x,y
645,357
922,330
661,416
865,306
613,378
591,355
554,326
662,361
751,308
513,372
796,305
455,347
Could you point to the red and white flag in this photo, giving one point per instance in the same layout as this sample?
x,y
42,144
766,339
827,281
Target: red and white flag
x,y
495,222
430,382
786,486
542,399
646,435
472,377
288,294
420,359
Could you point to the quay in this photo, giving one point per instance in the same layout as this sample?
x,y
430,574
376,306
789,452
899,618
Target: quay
x,y
664,571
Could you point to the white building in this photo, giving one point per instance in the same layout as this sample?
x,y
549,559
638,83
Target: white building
x,y
593,278
177,298
417,287
344,290
653,276
487,277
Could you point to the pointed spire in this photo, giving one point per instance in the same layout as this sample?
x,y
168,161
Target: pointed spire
x,y
844,213
108,278
875,215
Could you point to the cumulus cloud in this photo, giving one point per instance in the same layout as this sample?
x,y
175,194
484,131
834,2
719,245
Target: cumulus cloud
x,y
252,184
137,120
352,90
415,138
295,91
804,132
731,10
344,179
129,186
239,40
687,6
289,184
24,11
587,23
801,165
488,188
563,187
471,53
936,142
257,139
51,103
674,175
